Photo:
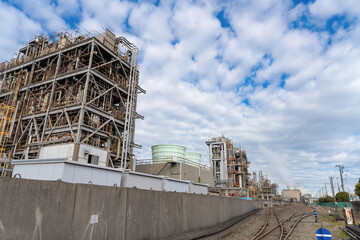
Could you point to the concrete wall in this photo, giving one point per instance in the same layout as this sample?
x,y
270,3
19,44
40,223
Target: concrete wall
x,y
85,150
67,151
55,210
188,172
206,177
57,151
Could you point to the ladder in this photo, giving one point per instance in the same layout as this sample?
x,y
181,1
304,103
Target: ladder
x,y
130,103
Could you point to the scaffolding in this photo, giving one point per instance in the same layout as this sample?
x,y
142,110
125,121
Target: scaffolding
x,y
230,167
73,88
6,115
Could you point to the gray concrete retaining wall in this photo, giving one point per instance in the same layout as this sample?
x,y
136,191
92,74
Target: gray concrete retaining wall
x,y
188,172
33,209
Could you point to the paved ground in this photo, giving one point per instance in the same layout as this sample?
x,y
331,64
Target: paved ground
x,y
305,230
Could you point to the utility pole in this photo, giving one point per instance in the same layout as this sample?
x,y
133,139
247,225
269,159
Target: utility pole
x,y
337,179
326,194
322,191
347,183
341,169
332,186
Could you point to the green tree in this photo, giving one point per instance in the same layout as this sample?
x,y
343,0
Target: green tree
x,y
329,199
342,197
326,199
357,188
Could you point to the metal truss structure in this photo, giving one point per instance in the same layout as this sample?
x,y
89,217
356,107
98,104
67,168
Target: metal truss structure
x,y
230,167
79,89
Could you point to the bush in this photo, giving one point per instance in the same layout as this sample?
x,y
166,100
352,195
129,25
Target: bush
x,y
342,197
326,199
329,199
357,188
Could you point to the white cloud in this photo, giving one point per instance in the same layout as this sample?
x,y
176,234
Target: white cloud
x,y
325,9
67,7
43,11
97,15
15,29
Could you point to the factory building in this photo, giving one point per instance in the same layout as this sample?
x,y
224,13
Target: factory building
x,y
291,194
175,162
230,167
71,96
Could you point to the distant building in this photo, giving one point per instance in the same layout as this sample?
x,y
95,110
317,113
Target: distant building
x,y
266,189
307,198
291,194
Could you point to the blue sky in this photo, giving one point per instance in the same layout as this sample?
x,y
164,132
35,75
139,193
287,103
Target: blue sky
x,y
281,78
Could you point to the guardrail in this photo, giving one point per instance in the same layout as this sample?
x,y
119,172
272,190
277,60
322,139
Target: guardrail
x,y
172,159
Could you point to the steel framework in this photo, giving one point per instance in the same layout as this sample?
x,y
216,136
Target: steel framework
x,y
71,88
230,166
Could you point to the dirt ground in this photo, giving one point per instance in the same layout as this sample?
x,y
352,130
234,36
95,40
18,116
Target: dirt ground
x,y
305,230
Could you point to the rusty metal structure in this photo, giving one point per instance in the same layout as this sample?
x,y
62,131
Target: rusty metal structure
x,y
230,167
78,89
6,116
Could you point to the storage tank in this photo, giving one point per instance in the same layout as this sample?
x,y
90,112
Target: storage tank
x,y
193,158
162,152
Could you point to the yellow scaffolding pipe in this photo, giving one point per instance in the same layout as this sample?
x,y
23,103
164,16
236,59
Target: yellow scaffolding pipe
x,y
6,115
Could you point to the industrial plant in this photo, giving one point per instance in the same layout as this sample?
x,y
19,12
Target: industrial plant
x,y
230,167
263,188
71,96
68,110
67,117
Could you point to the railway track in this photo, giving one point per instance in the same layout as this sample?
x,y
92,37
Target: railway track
x,y
301,217
264,226
275,219
280,225
352,231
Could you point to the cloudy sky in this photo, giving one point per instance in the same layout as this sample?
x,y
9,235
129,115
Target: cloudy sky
x,y
280,78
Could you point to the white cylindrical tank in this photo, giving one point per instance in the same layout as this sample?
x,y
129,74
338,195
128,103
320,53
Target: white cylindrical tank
x,y
163,152
193,158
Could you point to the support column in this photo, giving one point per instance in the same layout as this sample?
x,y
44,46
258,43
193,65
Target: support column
x,y
51,95
82,110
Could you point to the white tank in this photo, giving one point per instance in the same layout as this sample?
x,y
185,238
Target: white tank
x,y
193,158
163,152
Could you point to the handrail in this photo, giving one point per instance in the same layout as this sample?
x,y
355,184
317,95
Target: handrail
x,y
172,159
